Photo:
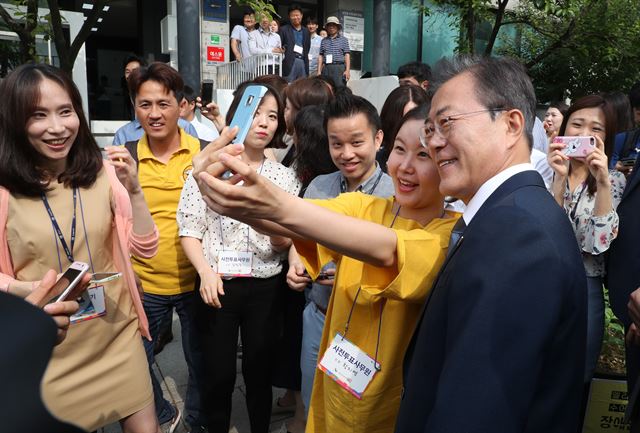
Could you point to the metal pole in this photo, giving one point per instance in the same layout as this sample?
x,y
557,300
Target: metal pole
x,y
188,20
381,37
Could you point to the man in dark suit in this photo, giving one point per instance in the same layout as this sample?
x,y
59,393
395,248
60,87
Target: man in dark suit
x,y
623,282
296,42
501,343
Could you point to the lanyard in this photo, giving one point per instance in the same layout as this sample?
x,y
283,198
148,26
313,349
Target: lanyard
x,y
343,185
355,299
68,249
248,229
572,214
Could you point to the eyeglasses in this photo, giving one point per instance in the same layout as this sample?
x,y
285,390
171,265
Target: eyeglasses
x,y
443,126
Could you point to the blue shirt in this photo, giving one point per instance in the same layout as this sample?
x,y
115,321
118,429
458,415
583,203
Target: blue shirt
x,y
297,35
133,131
337,47
618,147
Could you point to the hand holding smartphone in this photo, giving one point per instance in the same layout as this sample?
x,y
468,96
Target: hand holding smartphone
x,y
68,283
577,147
206,92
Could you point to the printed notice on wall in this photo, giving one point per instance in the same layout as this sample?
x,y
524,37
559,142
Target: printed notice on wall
x,y
353,29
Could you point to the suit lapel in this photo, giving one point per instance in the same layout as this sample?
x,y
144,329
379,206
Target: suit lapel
x,y
526,178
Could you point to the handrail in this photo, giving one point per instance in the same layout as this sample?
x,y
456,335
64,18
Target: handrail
x,y
229,75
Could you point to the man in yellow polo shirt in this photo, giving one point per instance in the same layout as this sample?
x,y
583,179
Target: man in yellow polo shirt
x,y
164,155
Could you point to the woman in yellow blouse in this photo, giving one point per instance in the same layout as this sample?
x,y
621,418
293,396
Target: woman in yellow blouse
x,y
381,299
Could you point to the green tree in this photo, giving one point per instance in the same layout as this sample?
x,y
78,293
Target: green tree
x,y
27,24
592,48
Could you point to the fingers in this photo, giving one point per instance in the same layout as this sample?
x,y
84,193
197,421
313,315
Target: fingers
x,y
42,294
634,306
633,335
599,143
209,155
60,312
210,288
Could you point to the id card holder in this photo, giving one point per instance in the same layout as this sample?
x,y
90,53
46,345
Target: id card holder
x,y
297,49
348,365
234,263
92,305
329,59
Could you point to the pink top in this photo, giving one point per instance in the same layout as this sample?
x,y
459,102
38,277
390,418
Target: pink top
x,y
124,243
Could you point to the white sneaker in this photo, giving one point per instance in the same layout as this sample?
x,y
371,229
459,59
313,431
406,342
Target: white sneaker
x,y
171,425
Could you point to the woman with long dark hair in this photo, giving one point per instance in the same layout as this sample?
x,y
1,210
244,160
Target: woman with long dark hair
x,y
589,193
60,203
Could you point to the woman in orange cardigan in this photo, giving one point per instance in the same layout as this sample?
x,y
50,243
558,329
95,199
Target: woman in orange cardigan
x,y
59,203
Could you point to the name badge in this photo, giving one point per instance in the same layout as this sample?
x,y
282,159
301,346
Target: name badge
x,y
329,58
92,305
297,49
349,366
234,263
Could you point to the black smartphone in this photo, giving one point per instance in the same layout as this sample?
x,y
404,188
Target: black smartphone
x,y
206,92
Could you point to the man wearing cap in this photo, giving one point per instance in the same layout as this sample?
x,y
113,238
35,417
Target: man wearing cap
x,y
334,60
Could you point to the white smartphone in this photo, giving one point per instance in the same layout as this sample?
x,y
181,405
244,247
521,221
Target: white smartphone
x,y
104,277
69,280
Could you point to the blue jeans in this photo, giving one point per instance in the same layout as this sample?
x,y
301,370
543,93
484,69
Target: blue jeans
x,y
297,70
312,324
156,307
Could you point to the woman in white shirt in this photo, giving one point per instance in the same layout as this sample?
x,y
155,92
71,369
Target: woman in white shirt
x,y
241,276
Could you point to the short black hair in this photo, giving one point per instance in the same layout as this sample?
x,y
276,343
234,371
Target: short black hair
x,y
634,95
189,94
295,7
131,57
312,20
421,71
160,73
247,11
346,104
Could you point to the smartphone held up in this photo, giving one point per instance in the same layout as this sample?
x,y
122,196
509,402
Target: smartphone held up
x,y
246,110
577,147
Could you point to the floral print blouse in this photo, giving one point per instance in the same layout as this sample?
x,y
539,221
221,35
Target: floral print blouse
x,y
594,233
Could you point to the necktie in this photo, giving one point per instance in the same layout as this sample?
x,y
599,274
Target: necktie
x,y
456,234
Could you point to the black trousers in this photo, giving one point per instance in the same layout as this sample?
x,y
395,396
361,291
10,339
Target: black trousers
x,y
249,306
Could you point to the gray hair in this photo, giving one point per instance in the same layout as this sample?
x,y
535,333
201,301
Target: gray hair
x,y
501,82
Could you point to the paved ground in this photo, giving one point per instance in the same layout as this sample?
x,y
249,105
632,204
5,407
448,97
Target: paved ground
x,y
171,370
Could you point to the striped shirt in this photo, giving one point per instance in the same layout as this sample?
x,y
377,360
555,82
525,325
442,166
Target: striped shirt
x,y
336,47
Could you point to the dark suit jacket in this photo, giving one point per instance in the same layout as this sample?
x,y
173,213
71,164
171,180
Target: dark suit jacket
x,y
623,266
500,347
27,336
288,42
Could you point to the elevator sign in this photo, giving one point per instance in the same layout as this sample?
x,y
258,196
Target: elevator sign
x,y
215,54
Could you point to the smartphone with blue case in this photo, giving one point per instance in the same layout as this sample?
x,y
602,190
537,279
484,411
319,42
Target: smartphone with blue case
x,y
246,110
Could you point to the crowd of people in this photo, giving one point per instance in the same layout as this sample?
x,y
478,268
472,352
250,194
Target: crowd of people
x,y
307,50
419,269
